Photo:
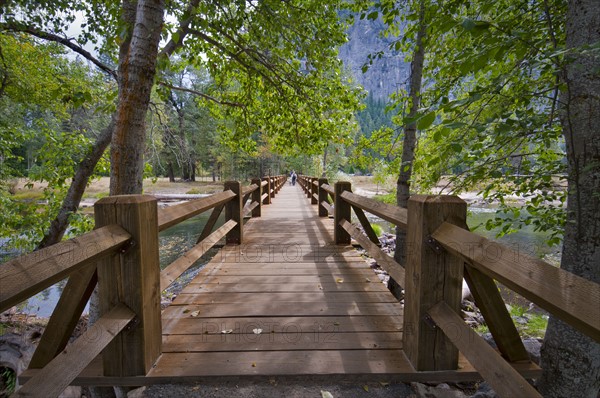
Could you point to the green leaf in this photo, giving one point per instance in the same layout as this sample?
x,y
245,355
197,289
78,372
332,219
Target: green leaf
x,y
426,121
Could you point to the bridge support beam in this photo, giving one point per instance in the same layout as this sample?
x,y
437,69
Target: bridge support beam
x,y
432,275
132,277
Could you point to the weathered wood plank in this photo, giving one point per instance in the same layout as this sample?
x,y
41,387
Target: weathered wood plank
x,y
282,309
506,381
27,275
394,214
492,307
210,223
566,295
374,286
181,264
65,316
169,216
62,370
283,297
362,218
386,262
431,277
132,278
329,338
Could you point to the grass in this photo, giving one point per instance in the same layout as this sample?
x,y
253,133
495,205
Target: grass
x,y
193,191
389,198
535,326
28,195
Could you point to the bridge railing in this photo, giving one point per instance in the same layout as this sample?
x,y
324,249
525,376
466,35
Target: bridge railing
x,y
440,252
120,257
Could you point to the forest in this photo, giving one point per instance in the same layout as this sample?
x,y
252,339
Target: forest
x,y
502,99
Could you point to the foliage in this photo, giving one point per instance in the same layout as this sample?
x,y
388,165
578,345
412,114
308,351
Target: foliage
x,y
8,381
51,109
489,114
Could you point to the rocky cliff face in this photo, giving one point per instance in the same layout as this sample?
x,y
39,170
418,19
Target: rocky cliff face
x,y
387,74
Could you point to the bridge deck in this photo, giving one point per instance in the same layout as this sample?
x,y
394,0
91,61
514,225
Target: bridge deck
x,y
287,302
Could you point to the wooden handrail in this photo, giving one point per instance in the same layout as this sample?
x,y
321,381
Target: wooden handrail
x,y
169,216
329,189
503,378
394,214
27,275
62,370
248,208
249,189
566,295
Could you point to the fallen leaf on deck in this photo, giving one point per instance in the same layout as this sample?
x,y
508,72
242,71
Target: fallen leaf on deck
x,y
227,331
368,280
336,323
366,388
320,287
384,383
339,280
195,313
326,394
253,364
257,331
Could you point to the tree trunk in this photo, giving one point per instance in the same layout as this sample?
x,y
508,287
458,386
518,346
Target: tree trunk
x,y
136,78
410,140
70,203
170,172
571,360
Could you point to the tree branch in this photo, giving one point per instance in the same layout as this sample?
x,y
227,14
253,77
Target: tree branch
x,y
61,40
200,94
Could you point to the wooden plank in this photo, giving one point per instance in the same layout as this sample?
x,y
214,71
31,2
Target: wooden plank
x,y
174,270
362,218
431,276
492,307
333,278
27,275
568,296
327,207
293,339
275,363
386,262
375,285
92,375
173,215
506,381
132,278
289,324
394,214
62,370
323,272
249,189
284,297
282,309
210,223
256,197
65,316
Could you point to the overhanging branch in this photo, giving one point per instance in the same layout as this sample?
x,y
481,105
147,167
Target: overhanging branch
x,y
200,94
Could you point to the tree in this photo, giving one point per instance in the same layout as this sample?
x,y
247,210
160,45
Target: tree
x,y
571,360
274,65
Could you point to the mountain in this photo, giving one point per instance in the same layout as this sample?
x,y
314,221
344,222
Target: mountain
x,y
387,73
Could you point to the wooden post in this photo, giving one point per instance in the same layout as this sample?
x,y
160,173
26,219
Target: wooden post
x,y
132,278
256,197
341,211
432,275
272,187
322,198
267,200
314,191
234,211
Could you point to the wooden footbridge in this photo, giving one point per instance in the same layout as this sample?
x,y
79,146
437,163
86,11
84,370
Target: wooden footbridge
x,y
287,296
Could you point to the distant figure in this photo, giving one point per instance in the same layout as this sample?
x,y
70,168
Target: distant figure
x,y
294,176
